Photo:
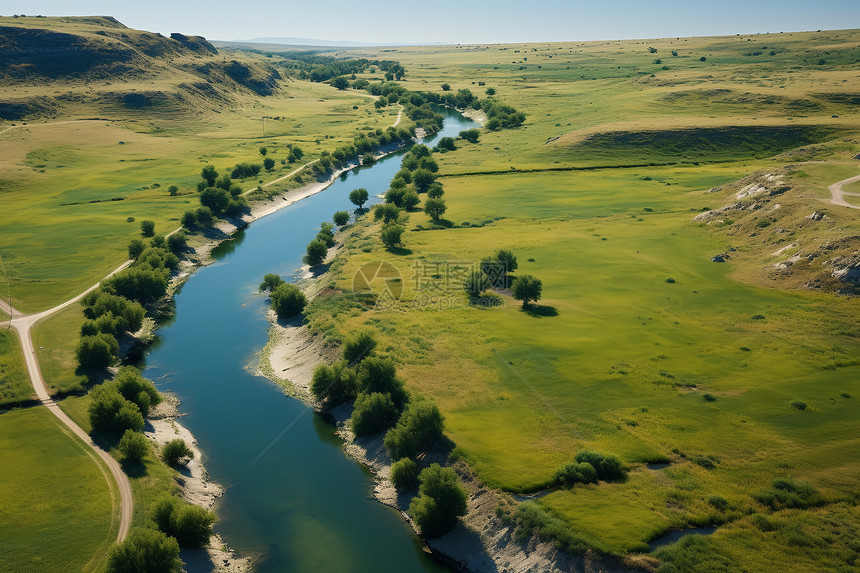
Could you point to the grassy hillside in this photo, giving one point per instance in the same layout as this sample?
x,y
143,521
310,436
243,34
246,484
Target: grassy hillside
x,y
627,178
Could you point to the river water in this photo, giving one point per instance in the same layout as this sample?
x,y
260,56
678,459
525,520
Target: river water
x,y
292,494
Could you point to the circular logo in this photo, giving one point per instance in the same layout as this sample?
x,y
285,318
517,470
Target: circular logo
x,y
381,279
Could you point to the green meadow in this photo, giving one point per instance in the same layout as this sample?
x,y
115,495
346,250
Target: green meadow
x,y
55,503
641,346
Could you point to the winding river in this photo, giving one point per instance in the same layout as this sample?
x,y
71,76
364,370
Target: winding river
x,y
292,494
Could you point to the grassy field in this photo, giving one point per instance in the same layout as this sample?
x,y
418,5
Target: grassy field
x,y
55,505
14,383
55,339
637,324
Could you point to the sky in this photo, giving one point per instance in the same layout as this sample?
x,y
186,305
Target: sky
x,y
457,21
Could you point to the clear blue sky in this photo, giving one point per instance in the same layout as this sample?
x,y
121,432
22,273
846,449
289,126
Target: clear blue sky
x,y
460,21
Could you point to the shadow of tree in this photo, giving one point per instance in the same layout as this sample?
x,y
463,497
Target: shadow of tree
x,y
133,468
539,311
400,251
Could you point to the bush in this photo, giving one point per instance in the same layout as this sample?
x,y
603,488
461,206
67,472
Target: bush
x,y
373,413
316,252
341,218
441,500
334,384
435,208
404,475
709,397
177,242
409,200
419,427
205,217
98,351
800,405
110,412
718,502
608,468
145,551
270,282
133,445
471,135
359,346
787,493
358,197
135,247
243,170
189,219
136,389
129,315
174,451
144,285
476,284
147,228
191,525
386,212
378,374
533,519
288,300
392,235
576,472
447,143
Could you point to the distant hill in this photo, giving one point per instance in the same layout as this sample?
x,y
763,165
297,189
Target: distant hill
x,y
98,63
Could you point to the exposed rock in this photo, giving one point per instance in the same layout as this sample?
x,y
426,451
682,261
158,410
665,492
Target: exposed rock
x,y
817,216
719,258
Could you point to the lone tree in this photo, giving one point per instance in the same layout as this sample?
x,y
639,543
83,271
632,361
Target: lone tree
x,y
133,445
435,208
288,300
446,87
527,288
269,163
147,228
270,282
441,500
340,218
358,197
316,252
176,450
263,151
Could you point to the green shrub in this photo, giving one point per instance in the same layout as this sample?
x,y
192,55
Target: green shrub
x,y
533,519
270,282
147,228
373,413
441,500
800,405
341,218
177,242
608,467
718,502
145,551
334,384
316,252
379,374
709,397
288,300
787,493
133,445
359,346
110,412
137,389
419,427
98,351
191,525
404,474
574,473
174,451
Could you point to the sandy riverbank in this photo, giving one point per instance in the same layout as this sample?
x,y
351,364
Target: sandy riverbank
x,y
193,481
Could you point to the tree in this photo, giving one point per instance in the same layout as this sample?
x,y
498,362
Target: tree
x,y
190,524
147,228
703,59
471,135
174,451
392,235
189,219
270,282
359,346
404,474
379,374
110,412
422,178
409,200
145,285
441,500
358,197
340,83
507,260
135,247
215,198
576,472
263,151
447,144
476,284
177,242
128,314
99,351
133,445
490,91
527,288
326,234
334,384
316,253
435,191
205,217
340,218
269,163
435,208
607,467
373,413
387,212
136,389
173,190
446,87
145,551
288,300
209,175
419,427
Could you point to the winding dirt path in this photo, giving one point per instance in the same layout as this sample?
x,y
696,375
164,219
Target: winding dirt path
x,y
837,194
23,324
